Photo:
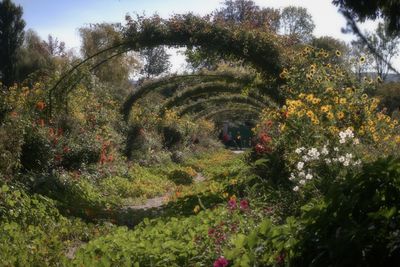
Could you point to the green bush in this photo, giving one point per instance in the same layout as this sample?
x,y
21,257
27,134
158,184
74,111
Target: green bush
x,y
37,154
181,177
357,222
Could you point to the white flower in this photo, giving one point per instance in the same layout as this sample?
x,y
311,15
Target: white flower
x,y
357,162
309,176
349,155
300,165
349,133
356,141
292,177
313,153
334,159
346,163
302,182
342,135
305,158
342,141
328,161
299,150
302,174
336,149
324,151
296,188
342,159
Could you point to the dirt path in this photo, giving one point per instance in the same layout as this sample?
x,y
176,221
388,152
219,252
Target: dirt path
x,y
157,202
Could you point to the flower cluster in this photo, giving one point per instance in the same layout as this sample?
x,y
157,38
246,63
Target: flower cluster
x,y
309,159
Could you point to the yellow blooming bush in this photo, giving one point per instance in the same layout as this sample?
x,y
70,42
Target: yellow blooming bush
x,y
322,99
323,103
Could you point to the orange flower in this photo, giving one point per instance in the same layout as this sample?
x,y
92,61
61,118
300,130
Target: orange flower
x,y
40,105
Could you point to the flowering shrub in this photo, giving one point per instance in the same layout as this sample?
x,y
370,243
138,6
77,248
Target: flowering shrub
x,y
330,161
327,115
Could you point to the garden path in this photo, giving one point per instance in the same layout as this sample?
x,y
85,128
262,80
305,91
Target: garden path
x,y
157,202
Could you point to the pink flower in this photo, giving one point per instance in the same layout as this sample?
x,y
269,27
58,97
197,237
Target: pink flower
x,y
244,204
221,262
232,204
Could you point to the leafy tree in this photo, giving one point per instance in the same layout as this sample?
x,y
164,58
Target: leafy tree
x,y
11,38
362,10
156,61
32,56
55,47
248,13
387,45
297,22
239,13
115,70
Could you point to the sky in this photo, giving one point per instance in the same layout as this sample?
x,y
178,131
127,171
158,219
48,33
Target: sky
x,y
62,18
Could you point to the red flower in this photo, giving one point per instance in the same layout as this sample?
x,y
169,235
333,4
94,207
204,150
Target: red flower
x,y
265,138
260,148
232,204
221,262
66,149
244,204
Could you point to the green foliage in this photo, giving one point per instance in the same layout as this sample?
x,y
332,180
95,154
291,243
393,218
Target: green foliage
x,y
36,153
357,221
11,37
181,177
372,10
156,61
33,233
297,23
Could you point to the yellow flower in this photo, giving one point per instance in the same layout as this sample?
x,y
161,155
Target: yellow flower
x,y
310,114
310,97
196,209
315,121
316,101
349,90
342,100
225,195
362,59
301,113
397,139
324,109
330,116
333,129
340,115
338,53
375,137
233,198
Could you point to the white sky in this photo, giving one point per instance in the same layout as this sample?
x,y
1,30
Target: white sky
x,y
63,18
